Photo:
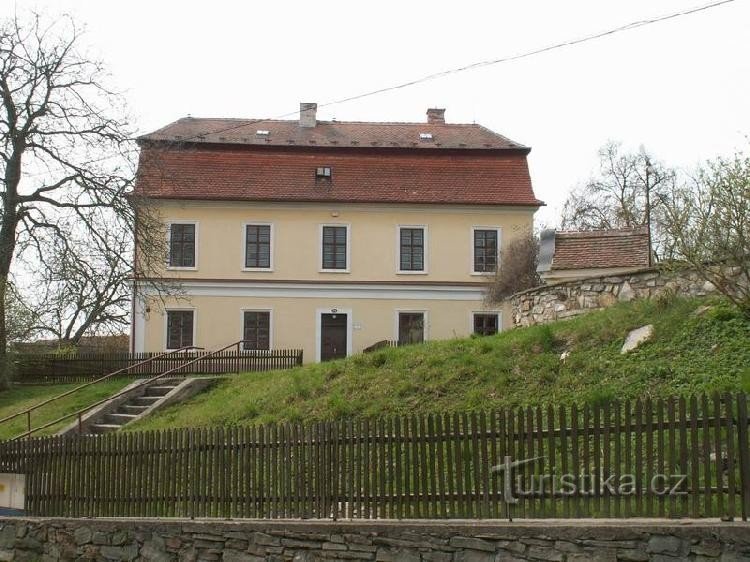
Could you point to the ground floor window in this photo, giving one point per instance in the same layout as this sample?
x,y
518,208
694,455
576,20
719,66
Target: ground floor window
x,y
410,327
256,329
485,324
180,325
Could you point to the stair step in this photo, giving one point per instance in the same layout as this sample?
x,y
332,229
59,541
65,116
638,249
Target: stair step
x,y
145,400
131,409
159,390
104,427
118,418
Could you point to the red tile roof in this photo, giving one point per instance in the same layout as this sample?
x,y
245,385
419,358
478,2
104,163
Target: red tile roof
x,y
332,133
254,173
593,249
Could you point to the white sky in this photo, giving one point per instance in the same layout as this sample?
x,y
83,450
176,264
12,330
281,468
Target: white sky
x,y
680,87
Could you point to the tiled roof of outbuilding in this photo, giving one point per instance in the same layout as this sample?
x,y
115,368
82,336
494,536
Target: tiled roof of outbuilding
x,y
593,249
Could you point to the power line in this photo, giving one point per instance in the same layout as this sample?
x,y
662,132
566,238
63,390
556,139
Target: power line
x,y
569,43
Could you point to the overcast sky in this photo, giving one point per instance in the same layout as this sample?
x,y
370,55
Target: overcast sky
x,y
681,87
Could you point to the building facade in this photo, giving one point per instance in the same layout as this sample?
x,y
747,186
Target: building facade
x,y
328,236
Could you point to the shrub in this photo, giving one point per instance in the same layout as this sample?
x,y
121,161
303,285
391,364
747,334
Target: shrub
x,y
517,271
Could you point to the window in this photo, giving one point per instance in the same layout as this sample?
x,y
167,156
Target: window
x,y
334,247
410,327
411,248
256,329
258,246
180,326
485,324
485,250
323,172
182,245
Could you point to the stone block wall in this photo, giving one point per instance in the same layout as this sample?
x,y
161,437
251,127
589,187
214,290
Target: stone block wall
x,y
567,299
407,541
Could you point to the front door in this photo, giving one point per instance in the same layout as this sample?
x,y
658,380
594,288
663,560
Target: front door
x,y
332,336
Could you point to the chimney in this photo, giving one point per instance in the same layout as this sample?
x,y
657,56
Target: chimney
x,y
435,115
307,114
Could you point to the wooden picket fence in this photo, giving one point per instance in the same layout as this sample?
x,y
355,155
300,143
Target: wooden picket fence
x,y
430,466
83,367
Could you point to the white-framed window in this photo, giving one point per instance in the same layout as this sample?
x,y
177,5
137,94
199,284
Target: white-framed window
x,y
486,242
179,328
182,243
257,246
257,329
411,326
486,322
411,249
335,248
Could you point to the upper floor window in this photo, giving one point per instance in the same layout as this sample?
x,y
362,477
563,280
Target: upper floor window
x,y
180,325
486,324
411,249
335,251
323,172
258,246
182,244
486,247
256,329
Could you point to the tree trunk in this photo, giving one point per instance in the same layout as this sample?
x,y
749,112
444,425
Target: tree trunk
x,y
10,219
7,248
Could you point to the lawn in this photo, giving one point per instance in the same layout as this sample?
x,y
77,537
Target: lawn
x,y
20,397
698,345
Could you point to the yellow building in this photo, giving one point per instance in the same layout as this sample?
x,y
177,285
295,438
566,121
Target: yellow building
x,y
328,236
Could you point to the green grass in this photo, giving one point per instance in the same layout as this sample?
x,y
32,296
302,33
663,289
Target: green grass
x,y
21,397
692,351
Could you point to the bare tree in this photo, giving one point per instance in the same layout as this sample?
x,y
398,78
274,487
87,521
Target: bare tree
x,y
84,286
709,220
518,269
616,196
66,151
21,319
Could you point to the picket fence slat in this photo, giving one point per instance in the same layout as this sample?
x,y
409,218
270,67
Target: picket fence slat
x,y
52,368
681,457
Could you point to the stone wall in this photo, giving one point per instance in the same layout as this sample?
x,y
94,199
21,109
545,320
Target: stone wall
x,y
566,299
408,541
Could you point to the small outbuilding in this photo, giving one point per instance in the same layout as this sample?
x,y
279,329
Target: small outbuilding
x,y
568,255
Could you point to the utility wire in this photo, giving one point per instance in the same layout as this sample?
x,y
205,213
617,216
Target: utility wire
x,y
569,43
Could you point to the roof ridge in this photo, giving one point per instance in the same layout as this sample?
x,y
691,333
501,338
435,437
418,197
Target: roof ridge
x,y
336,121
605,231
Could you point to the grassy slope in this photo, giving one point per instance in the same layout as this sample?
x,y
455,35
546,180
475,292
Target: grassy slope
x,y
708,350
19,398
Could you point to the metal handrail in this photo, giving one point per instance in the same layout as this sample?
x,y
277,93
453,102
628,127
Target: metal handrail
x,y
82,411
28,411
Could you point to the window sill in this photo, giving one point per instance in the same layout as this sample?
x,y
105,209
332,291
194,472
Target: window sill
x,y
483,273
334,271
178,268
411,273
258,269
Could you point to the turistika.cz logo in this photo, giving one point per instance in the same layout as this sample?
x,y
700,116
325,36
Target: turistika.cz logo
x,y
583,484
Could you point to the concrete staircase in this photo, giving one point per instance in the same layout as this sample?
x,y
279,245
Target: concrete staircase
x,y
134,407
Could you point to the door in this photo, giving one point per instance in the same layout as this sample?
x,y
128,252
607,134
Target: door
x,y
332,336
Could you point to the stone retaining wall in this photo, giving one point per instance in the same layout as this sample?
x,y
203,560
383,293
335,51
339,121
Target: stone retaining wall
x,y
566,299
408,541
